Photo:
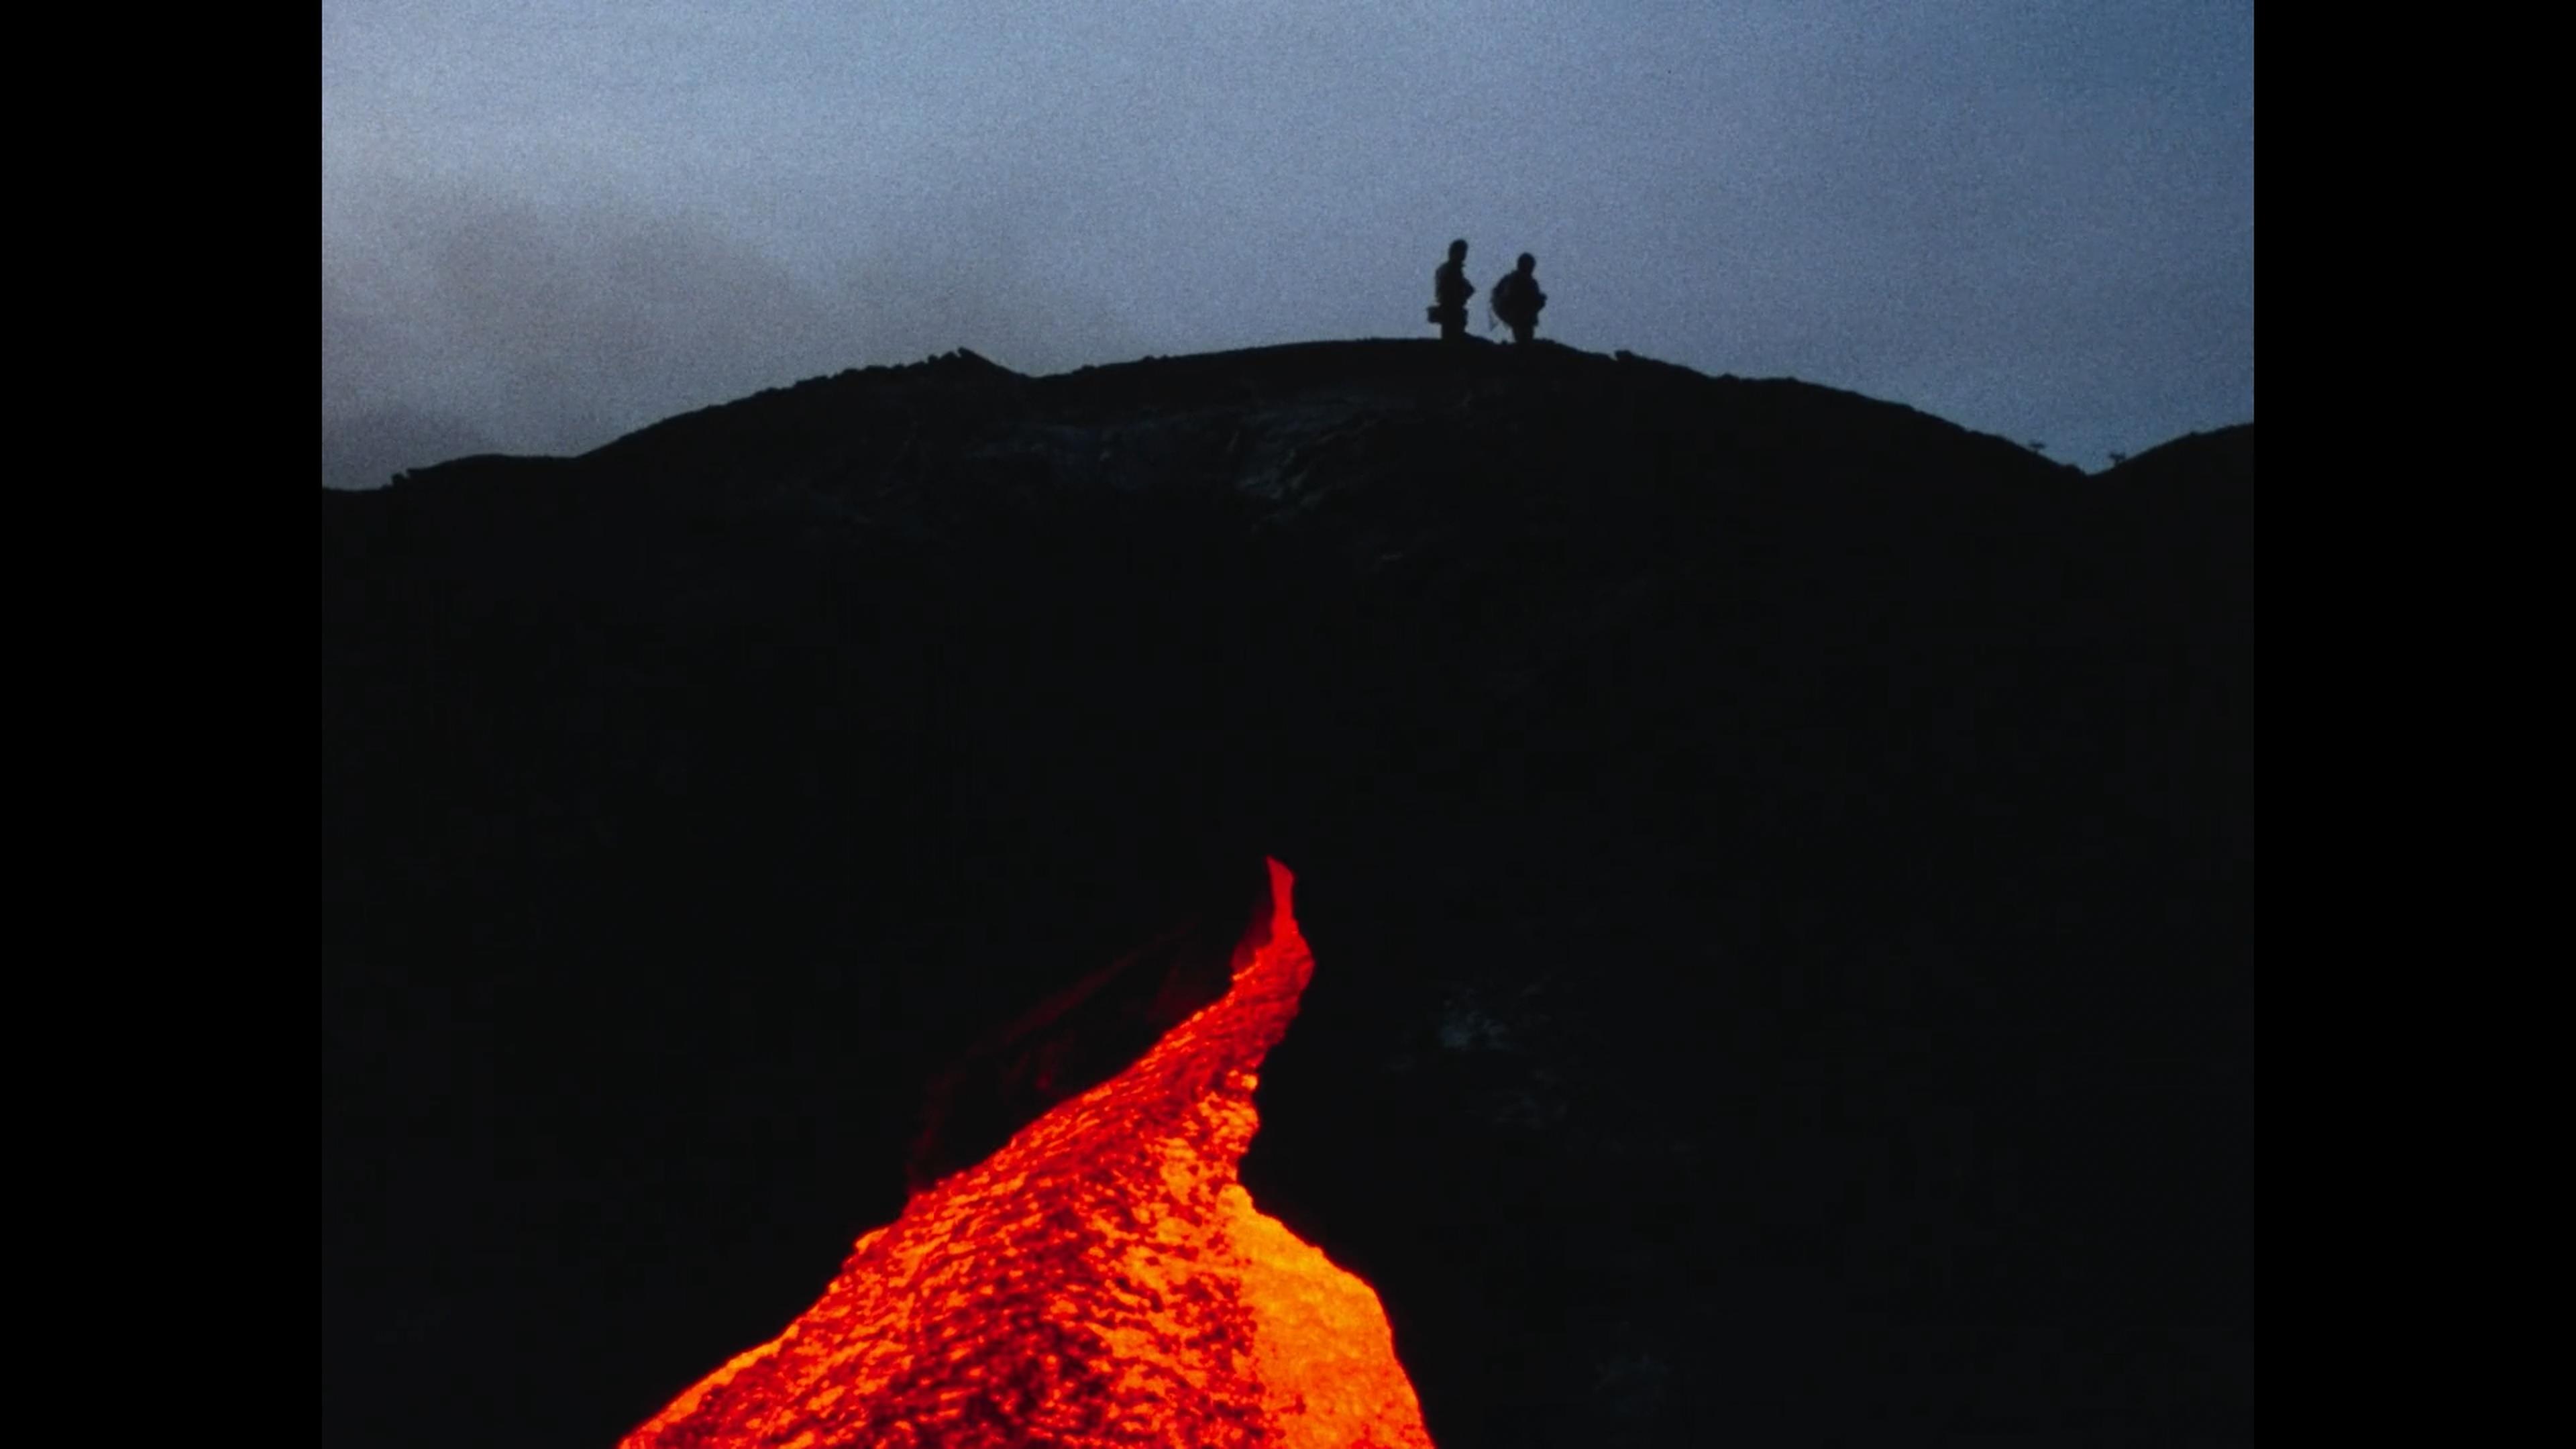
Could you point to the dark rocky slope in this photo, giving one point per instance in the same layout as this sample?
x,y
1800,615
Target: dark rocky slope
x,y
1780,868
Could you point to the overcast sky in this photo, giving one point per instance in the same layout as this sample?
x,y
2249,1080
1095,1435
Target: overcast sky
x,y
548,222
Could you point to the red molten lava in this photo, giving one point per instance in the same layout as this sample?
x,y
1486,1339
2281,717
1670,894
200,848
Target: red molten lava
x,y
1103,1279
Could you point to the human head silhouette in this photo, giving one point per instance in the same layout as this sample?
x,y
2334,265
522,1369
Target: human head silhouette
x,y
1458,250
1528,262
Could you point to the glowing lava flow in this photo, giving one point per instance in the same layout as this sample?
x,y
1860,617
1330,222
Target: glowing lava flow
x,y
1103,1279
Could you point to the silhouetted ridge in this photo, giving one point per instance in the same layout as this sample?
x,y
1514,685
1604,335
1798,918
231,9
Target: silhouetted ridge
x,y
1786,860
878,406
2221,458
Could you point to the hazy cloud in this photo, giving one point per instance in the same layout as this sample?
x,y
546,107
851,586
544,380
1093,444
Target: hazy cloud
x,y
548,223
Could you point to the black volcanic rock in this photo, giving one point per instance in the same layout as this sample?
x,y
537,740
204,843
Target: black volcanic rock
x,y
1780,869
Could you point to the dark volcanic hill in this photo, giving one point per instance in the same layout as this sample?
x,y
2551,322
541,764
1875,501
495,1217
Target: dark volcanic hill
x,y
1780,869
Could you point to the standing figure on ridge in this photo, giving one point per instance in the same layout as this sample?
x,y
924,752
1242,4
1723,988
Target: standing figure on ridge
x,y
1516,300
1450,290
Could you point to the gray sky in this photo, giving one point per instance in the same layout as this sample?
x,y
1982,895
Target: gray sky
x,y
548,222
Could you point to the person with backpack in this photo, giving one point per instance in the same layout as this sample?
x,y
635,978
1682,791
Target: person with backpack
x,y
1450,290
1517,299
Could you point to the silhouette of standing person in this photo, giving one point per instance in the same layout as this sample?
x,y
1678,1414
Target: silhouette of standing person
x,y
1517,299
1450,290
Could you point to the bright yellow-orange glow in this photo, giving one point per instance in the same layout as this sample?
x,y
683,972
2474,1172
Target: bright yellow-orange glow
x,y
1103,1279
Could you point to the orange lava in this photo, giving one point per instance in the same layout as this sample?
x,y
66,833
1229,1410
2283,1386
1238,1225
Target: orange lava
x,y
1103,1279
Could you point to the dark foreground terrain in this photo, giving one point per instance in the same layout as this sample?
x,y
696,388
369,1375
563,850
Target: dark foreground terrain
x,y
1780,869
